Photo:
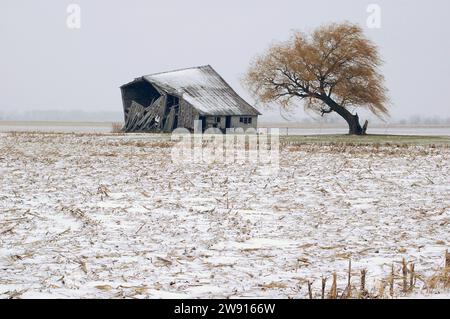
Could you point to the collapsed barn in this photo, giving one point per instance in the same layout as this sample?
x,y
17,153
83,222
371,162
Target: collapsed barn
x,y
165,101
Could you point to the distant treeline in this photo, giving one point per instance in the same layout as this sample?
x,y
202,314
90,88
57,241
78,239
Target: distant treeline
x,y
425,120
117,116
69,116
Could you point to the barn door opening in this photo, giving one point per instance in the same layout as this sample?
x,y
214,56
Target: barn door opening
x,y
228,122
203,119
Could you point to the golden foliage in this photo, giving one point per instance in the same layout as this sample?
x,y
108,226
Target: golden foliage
x,y
335,62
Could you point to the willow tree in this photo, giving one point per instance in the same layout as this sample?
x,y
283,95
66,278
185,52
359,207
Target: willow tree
x,y
335,69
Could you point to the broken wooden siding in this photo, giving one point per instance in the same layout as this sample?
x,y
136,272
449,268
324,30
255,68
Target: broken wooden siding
x,y
144,119
138,91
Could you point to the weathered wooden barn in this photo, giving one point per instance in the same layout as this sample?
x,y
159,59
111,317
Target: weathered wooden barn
x,y
164,101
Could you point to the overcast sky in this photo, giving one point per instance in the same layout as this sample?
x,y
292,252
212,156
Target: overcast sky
x,y
45,65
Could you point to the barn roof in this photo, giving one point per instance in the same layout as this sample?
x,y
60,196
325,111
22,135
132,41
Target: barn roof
x,y
204,89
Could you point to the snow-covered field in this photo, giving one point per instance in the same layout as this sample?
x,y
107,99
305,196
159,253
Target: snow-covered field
x,y
110,216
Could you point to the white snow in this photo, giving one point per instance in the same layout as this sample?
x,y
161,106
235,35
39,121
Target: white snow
x,y
159,231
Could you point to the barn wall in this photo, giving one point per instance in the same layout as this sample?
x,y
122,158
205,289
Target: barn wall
x,y
211,121
187,115
235,122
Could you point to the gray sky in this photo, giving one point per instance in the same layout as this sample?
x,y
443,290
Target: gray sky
x,y
45,65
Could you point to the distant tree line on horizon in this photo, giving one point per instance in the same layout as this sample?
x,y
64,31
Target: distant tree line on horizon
x,y
110,116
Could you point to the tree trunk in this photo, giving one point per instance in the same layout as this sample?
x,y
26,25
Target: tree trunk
x,y
354,128
353,125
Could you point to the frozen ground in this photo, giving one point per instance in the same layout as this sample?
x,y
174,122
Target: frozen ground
x,y
110,216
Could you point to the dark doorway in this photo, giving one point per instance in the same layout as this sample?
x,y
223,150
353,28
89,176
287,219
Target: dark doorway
x,y
203,119
228,122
